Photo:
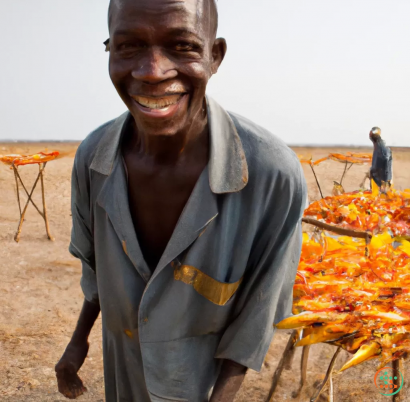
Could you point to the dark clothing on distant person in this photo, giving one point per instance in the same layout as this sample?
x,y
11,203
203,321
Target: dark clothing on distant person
x,y
382,164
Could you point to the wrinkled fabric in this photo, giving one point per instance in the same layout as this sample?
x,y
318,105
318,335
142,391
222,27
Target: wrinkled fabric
x,y
163,339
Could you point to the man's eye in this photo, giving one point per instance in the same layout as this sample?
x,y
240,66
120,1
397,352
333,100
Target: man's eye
x,y
184,47
127,46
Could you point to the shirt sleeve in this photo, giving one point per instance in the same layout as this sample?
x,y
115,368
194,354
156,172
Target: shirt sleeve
x,y
266,293
82,240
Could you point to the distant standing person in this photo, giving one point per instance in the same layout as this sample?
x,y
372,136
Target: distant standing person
x,y
187,219
381,171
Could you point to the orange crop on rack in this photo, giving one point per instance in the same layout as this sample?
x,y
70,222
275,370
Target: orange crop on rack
x,y
366,211
19,160
349,157
352,294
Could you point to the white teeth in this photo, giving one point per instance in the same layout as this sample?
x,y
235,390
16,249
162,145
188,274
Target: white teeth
x,y
158,103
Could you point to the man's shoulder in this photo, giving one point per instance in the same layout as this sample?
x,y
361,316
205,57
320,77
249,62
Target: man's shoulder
x,y
265,152
89,145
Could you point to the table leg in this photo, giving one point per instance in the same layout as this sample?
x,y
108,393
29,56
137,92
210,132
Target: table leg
x,y
41,169
303,370
331,396
27,193
23,214
319,390
398,368
17,188
282,363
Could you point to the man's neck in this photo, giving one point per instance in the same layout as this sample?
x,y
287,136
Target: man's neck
x,y
169,150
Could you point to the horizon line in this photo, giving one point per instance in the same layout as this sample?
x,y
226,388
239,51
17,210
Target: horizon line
x,y
8,141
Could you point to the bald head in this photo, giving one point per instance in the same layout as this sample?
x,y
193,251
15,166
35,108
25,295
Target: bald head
x,y
205,8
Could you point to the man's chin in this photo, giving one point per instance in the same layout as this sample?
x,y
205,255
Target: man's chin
x,y
160,127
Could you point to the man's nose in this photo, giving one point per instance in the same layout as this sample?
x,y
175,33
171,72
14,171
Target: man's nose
x,y
154,67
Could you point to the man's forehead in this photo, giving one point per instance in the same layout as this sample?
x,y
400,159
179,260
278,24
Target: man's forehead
x,y
199,15
191,6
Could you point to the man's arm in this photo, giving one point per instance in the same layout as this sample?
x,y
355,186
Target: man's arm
x,y
229,382
81,247
265,295
69,383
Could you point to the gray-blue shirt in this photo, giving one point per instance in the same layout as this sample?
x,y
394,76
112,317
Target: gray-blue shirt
x,y
226,275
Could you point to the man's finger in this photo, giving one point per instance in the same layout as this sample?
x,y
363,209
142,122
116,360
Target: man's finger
x,y
71,387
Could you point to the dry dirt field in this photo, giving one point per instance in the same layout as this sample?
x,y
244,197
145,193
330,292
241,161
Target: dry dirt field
x,y
40,295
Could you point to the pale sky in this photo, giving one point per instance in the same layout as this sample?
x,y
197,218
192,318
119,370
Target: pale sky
x,y
311,71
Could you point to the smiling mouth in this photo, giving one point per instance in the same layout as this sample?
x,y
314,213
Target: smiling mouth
x,y
158,103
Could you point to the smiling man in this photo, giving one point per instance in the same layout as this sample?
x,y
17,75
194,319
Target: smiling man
x,y
186,219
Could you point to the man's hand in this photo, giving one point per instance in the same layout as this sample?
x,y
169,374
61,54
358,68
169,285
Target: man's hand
x,y
229,382
69,383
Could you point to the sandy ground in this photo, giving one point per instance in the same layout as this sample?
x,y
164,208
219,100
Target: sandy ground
x,y
40,296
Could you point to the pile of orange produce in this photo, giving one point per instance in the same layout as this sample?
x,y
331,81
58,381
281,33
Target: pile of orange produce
x,y
351,292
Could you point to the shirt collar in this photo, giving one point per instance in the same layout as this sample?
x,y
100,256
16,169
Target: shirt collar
x,y
228,168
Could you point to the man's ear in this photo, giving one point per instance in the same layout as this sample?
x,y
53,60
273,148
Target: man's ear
x,y
218,54
107,45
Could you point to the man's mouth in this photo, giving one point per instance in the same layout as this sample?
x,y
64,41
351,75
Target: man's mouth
x,y
158,105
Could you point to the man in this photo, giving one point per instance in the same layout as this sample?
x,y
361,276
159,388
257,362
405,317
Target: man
x,y
381,171
186,219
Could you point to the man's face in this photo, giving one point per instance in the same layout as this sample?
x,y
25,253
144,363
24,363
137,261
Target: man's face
x,y
162,54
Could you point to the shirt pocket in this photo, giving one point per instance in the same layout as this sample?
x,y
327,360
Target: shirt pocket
x,y
215,291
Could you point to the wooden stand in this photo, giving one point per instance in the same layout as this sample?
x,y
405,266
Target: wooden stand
x,y
328,377
287,355
43,214
398,367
